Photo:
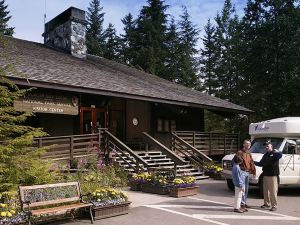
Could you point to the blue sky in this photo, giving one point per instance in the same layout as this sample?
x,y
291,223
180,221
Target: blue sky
x,y
28,15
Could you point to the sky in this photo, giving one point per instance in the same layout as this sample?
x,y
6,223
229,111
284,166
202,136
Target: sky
x,y
28,15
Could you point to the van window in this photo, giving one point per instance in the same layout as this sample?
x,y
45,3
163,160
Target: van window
x,y
289,148
257,145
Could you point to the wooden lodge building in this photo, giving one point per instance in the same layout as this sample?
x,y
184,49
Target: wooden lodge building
x,y
77,93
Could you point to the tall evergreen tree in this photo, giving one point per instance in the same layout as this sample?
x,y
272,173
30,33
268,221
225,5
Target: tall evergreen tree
x,y
95,33
209,59
173,51
189,63
272,39
151,37
128,39
112,43
228,34
4,18
20,162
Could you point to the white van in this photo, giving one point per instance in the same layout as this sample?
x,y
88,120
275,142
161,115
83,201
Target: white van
x,y
284,134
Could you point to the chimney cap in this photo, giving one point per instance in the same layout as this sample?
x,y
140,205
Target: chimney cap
x,y
71,13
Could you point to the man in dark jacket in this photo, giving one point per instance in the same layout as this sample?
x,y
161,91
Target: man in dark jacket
x,y
270,167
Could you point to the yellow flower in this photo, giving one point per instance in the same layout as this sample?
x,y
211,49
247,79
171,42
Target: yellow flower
x,y
3,205
13,211
8,214
3,214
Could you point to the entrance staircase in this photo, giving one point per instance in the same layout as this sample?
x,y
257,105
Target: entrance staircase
x,y
158,160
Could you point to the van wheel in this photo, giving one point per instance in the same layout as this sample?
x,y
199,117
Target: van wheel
x,y
230,184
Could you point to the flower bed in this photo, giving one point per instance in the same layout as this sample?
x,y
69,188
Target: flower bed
x,y
8,209
214,172
155,189
108,202
185,186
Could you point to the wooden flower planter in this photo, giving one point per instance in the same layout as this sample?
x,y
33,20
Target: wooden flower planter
x,y
134,186
102,212
149,188
183,192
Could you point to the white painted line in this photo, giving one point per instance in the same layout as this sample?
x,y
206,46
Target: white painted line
x,y
184,214
251,209
244,217
194,206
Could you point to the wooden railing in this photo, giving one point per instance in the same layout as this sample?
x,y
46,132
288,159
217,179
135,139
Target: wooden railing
x,y
183,148
209,143
117,147
67,148
175,158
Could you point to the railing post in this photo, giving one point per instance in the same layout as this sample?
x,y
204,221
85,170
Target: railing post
x,y
40,143
71,149
194,138
99,137
224,143
210,144
175,170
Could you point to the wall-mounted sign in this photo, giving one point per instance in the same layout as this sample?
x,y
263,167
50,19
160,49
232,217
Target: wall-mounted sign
x,y
47,103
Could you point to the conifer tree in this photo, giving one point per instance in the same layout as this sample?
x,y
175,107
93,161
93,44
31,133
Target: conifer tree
x,y
20,162
4,18
209,59
189,63
151,37
112,43
173,47
95,33
128,39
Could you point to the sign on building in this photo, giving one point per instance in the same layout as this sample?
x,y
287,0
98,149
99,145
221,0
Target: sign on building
x,y
47,103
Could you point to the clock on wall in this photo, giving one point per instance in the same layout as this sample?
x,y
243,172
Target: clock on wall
x,y
135,121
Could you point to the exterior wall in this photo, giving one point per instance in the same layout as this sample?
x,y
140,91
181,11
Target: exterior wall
x,y
117,117
57,125
185,119
142,112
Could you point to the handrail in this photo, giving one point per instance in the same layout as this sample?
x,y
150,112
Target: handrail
x,y
120,144
194,150
177,160
200,132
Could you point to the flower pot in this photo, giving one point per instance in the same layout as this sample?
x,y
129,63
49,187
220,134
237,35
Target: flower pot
x,y
155,189
134,186
183,192
217,176
101,212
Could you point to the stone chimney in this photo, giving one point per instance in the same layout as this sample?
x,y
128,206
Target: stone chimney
x,y
67,32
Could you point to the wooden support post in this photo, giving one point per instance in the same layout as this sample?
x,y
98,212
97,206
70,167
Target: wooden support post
x,y
224,143
194,139
175,170
71,150
40,143
99,141
210,144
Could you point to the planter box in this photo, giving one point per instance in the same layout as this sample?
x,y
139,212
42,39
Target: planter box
x,y
183,192
102,212
148,188
217,176
134,186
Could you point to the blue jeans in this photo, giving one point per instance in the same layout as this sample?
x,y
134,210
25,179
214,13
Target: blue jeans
x,y
245,195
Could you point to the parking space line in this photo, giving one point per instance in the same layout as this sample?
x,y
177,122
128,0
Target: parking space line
x,y
211,218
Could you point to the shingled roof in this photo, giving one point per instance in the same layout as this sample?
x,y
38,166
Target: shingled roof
x,y
48,68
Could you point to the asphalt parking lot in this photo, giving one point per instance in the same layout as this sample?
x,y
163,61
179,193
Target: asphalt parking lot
x,y
213,205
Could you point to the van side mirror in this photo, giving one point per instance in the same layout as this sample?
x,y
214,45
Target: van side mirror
x,y
298,146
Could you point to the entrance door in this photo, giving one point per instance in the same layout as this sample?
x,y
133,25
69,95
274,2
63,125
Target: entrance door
x,y
91,119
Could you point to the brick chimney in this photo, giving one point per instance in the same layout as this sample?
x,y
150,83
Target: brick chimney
x,y
67,32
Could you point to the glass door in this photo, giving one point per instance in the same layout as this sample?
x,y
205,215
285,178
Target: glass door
x,y
91,119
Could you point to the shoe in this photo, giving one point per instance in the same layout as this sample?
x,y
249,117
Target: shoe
x,y
245,206
265,206
273,209
238,210
245,210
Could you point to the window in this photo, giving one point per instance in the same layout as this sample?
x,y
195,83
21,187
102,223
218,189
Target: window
x,y
289,147
166,125
258,144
